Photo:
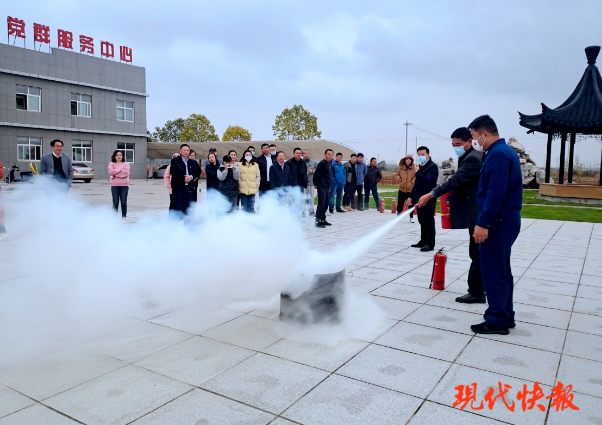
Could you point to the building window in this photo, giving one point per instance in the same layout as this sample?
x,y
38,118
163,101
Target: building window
x,y
82,150
29,98
81,105
128,150
29,148
125,111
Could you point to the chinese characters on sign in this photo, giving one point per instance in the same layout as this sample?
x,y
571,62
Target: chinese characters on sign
x,y
561,397
41,34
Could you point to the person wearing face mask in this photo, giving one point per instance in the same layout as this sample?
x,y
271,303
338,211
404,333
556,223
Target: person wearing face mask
x,y
464,208
273,151
500,198
249,181
426,180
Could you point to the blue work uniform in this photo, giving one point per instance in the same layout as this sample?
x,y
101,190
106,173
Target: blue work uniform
x,y
500,199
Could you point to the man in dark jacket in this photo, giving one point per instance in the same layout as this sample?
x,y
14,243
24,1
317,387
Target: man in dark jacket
x,y
373,176
280,173
265,161
500,199
182,174
464,208
298,179
323,178
426,180
350,177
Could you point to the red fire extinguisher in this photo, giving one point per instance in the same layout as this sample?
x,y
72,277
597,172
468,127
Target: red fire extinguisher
x,y
382,206
445,211
393,206
438,276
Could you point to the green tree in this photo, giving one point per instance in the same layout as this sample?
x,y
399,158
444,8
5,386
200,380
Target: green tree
x,y
198,128
382,165
296,123
170,132
150,137
236,133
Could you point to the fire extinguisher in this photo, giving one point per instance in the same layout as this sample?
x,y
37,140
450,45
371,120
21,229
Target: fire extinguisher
x,y
393,206
438,276
445,211
382,206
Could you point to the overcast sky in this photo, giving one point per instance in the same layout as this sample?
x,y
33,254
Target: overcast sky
x,y
362,67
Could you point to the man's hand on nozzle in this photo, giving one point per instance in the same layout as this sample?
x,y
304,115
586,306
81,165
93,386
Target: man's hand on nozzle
x,y
424,199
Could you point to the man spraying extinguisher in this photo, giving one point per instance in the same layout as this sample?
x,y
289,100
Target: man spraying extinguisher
x,y
464,209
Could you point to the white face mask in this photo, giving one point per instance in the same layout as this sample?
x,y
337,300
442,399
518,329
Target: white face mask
x,y
475,144
248,158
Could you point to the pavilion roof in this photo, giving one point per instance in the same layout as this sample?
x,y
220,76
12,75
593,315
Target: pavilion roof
x,y
580,113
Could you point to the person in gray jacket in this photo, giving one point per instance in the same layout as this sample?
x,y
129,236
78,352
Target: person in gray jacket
x,y
57,165
309,192
464,209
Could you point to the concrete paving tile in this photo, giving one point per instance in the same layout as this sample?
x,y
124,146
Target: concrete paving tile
x,y
590,292
538,298
37,414
457,287
545,286
512,360
57,372
586,323
405,292
586,306
383,326
343,401
195,360
255,333
445,393
267,314
11,401
533,336
559,266
549,259
191,320
561,252
202,407
589,413
411,279
266,382
149,307
447,299
408,373
136,342
584,375
553,275
592,270
444,318
394,265
364,286
583,345
316,355
395,309
380,275
363,261
424,340
118,397
435,414
541,316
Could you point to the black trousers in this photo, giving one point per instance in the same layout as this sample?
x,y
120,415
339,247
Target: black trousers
x,y
426,218
323,195
347,194
359,189
120,193
180,201
475,279
402,197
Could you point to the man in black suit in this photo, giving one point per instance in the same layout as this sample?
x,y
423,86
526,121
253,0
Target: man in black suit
x,y
182,174
299,179
464,209
280,173
323,180
265,161
426,180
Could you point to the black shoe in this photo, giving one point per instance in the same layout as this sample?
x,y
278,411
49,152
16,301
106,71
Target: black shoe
x,y
326,223
511,325
469,299
320,224
366,207
340,210
426,248
484,328
331,211
418,245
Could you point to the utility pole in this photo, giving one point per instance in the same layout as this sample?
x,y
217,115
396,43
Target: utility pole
x,y
407,124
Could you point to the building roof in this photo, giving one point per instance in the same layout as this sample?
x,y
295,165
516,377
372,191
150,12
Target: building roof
x,y
316,147
581,112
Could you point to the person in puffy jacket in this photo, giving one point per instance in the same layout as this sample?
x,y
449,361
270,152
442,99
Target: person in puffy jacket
x,y
250,180
211,167
405,177
229,175
338,183
119,172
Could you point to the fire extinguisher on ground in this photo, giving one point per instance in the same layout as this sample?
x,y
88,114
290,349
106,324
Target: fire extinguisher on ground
x,y
445,211
438,276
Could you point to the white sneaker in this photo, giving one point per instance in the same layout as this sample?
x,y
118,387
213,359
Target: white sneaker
x,y
411,219
125,220
3,236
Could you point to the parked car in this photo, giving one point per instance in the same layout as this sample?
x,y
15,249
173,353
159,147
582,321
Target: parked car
x,y
82,171
160,172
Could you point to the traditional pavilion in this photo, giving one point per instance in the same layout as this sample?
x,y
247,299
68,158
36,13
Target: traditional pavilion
x,y
580,114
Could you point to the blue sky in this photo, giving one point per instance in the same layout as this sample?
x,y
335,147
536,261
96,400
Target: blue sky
x,y
363,68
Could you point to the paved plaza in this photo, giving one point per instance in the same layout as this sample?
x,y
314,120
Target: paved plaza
x,y
247,368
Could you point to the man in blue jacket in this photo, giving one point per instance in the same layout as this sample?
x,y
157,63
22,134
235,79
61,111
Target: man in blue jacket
x,y
426,180
338,183
361,170
500,200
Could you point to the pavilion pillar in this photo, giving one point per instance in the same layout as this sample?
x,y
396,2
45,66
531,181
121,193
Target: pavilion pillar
x,y
549,157
571,156
562,159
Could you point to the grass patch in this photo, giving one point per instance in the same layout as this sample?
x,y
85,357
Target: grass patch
x,y
529,198
564,214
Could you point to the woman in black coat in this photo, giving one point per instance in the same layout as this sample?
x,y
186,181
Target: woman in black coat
x,y
211,172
